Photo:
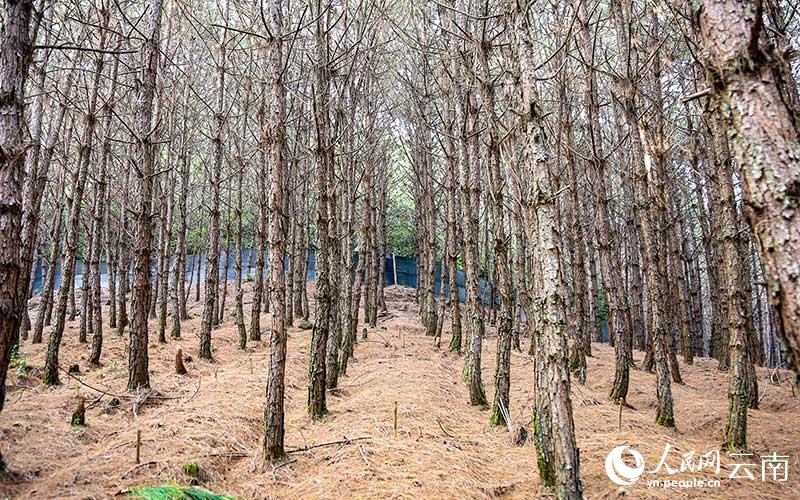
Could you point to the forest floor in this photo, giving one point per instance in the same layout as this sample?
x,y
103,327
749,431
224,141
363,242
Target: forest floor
x,y
443,447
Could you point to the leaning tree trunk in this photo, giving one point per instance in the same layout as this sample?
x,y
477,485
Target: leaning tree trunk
x,y
47,292
73,229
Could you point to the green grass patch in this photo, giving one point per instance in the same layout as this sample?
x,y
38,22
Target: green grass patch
x,y
175,492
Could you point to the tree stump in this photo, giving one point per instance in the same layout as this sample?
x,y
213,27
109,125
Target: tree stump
x,y
79,416
180,368
521,436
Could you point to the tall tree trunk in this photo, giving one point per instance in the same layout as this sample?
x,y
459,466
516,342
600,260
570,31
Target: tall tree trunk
x,y
451,185
262,219
163,265
617,319
79,176
44,161
323,152
210,311
101,195
744,76
735,429
241,167
502,375
557,453
383,200
273,413
645,193
15,57
363,251
124,262
138,360
301,260
179,312
49,283
471,197
35,173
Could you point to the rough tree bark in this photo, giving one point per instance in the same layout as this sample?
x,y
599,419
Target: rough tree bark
x,y
471,199
317,407
744,76
79,177
15,58
273,412
557,453
210,311
138,360
505,323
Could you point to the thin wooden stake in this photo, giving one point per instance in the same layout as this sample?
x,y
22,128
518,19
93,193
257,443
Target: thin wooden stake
x,y
395,419
620,414
138,445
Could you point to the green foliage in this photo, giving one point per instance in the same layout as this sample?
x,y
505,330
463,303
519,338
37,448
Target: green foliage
x,y
191,469
18,361
175,492
601,304
400,240
195,237
400,224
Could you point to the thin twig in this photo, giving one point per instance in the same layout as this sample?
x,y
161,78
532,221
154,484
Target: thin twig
x,y
107,393
139,466
444,430
344,441
696,95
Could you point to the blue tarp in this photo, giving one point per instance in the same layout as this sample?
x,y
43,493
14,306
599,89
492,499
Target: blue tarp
x,y
406,271
406,274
